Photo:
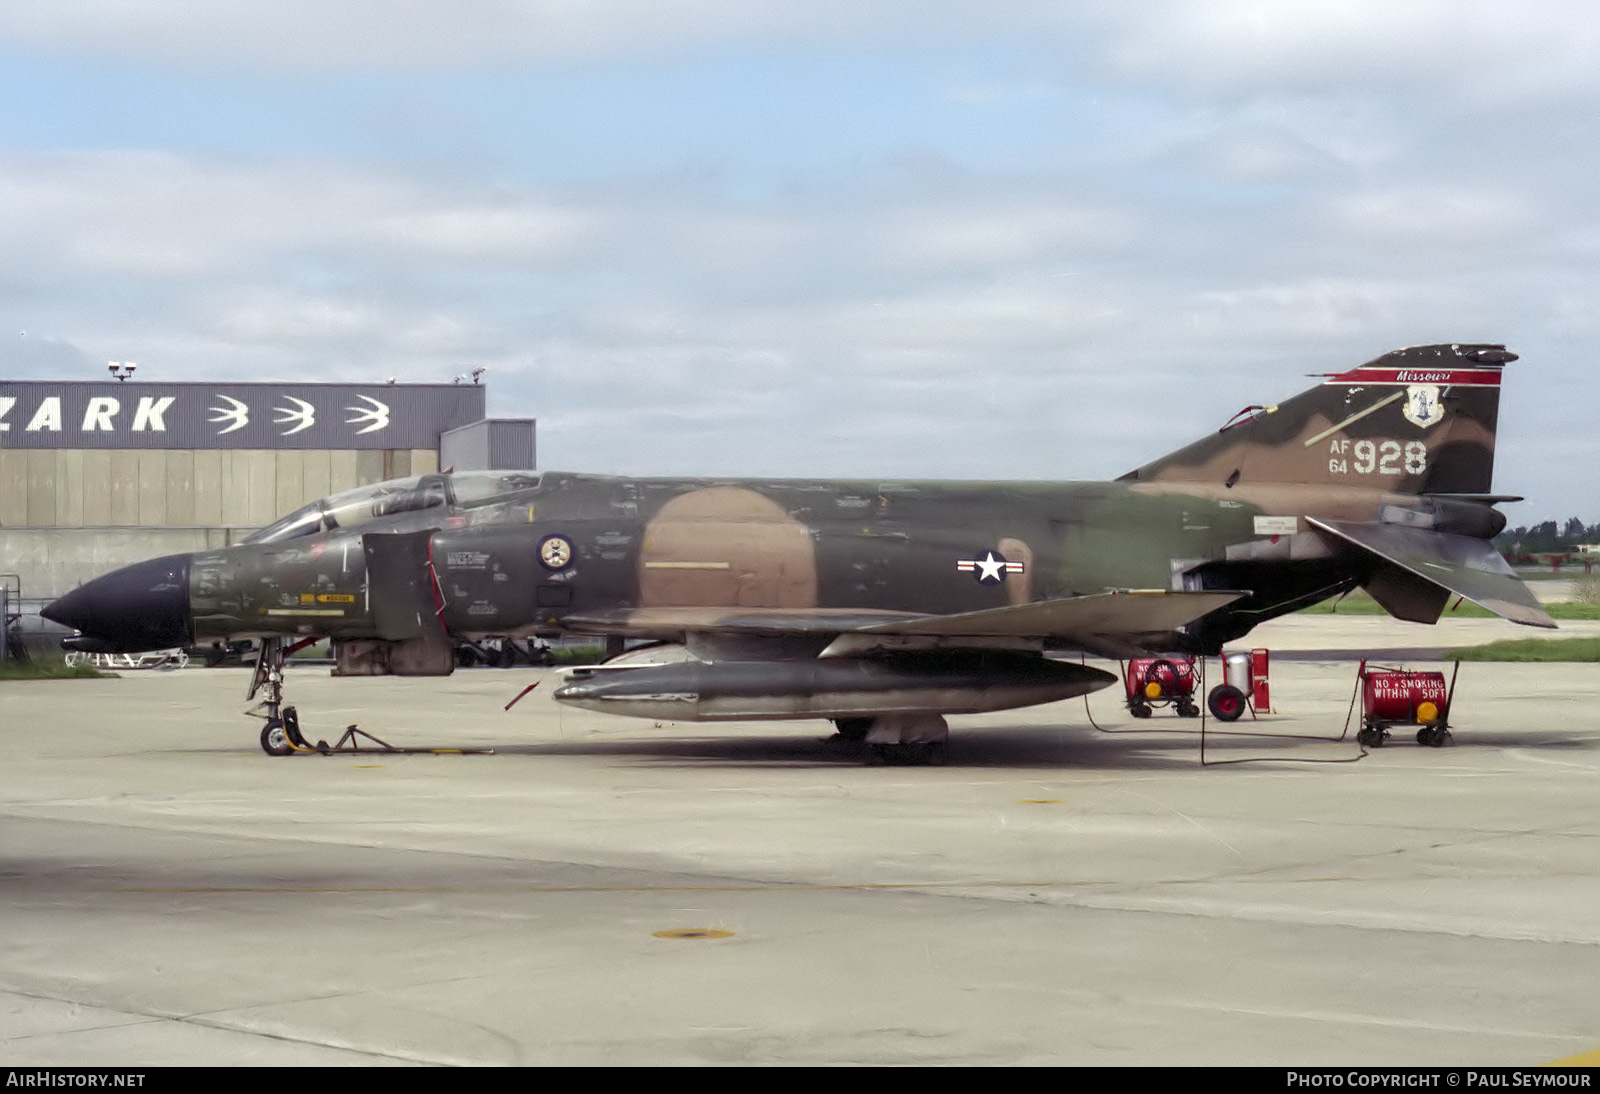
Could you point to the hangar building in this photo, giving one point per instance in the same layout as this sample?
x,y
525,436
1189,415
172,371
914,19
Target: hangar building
x,y
96,475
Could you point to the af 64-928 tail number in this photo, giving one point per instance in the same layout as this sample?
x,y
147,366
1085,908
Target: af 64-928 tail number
x,y
1378,457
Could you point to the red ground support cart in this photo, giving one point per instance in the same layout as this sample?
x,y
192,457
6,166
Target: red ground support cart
x,y
1161,681
1404,697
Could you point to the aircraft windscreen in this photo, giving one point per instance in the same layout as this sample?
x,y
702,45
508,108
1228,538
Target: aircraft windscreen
x,y
478,487
305,521
355,507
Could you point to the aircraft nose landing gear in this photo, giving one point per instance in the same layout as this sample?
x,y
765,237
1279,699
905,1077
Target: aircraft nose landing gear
x,y
281,735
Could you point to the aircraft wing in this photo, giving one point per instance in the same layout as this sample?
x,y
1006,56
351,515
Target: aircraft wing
x,y
1462,565
654,622
1112,623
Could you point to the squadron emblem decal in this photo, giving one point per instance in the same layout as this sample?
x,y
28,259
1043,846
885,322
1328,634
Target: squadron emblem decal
x,y
989,570
555,553
1422,405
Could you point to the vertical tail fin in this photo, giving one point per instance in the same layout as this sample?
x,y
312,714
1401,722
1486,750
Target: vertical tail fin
x,y
1416,421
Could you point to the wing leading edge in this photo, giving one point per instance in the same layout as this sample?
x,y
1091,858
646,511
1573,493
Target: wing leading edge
x,y
1113,623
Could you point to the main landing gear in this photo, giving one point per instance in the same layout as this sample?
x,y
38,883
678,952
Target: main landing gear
x,y
898,739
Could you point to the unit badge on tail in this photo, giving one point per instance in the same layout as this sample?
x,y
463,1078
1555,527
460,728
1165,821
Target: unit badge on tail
x,y
1422,405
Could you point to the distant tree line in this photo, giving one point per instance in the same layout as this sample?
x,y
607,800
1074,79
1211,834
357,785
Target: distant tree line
x,y
1526,543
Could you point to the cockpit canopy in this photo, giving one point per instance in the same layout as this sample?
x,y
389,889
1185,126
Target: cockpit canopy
x,y
357,506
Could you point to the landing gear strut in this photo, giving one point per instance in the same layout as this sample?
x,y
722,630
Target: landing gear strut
x,y
281,735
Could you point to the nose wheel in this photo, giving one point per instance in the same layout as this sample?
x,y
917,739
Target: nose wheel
x,y
281,735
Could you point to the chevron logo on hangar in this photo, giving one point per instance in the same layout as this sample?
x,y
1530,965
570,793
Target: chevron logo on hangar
x,y
119,415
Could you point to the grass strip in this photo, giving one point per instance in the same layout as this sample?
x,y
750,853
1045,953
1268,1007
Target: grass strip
x,y
1359,603
48,670
1530,649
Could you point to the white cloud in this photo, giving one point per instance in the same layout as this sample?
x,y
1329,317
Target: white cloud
x,y
1480,49
166,216
512,232
170,217
1441,214
332,34
991,236
1255,190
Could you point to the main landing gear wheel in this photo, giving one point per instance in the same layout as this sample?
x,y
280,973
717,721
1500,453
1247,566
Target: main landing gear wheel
x,y
905,739
911,754
852,729
1227,703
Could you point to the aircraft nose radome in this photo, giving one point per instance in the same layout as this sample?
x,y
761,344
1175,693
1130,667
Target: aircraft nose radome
x,y
141,607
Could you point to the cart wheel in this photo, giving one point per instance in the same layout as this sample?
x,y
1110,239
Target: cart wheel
x,y
1226,702
1425,736
275,740
1441,737
1139,710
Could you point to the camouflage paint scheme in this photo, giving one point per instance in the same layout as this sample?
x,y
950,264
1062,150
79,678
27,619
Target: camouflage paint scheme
x,y
663,557
1378,477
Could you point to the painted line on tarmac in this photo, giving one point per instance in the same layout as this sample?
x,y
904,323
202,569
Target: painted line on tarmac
x,y
866,885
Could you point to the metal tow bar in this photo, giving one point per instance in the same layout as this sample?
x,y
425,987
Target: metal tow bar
x,y
281,735
350,743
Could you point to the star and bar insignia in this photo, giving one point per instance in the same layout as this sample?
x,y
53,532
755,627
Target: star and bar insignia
x,y
990,569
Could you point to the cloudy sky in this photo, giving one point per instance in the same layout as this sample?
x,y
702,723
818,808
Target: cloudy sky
x,y
902,238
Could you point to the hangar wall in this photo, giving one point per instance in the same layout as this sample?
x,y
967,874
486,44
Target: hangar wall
x,y
167,487
67,515
95,475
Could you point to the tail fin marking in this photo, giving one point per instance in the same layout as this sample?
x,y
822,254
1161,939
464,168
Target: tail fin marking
x,y
1417,420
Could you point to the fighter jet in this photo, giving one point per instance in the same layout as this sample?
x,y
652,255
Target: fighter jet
x,y
882,606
